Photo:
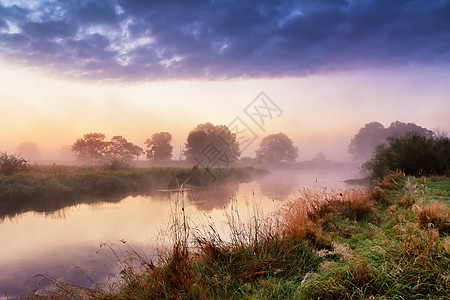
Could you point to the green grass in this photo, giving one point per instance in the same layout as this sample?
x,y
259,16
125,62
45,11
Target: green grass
x,y
386,243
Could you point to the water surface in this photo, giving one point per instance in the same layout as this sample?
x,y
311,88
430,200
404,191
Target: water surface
x,y
65,243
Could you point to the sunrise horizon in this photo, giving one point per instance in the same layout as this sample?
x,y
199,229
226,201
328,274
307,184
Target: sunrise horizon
x,y
317,108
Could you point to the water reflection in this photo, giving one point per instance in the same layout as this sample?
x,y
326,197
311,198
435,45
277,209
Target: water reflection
x,y
282,184
279,185
13,208
52,236
80,264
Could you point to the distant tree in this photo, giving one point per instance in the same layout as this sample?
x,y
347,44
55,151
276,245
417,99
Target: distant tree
x,y
320,157
203,134
365,141
412,154
399,129
91,147
94,147
29,150
373,134
159,146
275,148
120,149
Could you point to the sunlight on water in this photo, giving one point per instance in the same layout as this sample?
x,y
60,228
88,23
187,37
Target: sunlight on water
x,y
53,243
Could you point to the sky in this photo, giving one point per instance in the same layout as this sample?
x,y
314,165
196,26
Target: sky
x,y
134,68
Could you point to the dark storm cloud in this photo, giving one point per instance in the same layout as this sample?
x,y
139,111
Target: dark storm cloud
x,y
133,40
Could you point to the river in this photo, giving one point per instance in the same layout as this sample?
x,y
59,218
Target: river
x,y
65,244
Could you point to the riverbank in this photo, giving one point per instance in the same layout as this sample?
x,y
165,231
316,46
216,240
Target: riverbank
x,y
389,242
44,188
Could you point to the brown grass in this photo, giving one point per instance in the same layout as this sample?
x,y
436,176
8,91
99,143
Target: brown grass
x,y
306,216
435,215
392,181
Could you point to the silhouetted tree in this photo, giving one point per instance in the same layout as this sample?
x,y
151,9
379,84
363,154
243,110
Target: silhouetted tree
x,y
412,154
91,147
373,134
275,148
201,136
320,157
399,129
365,141
159,146
94,147
120,149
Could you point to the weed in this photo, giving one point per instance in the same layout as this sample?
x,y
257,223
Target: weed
x,y
436,216
11,164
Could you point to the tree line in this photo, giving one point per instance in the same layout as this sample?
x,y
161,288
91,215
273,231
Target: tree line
x,y
404,147
94,147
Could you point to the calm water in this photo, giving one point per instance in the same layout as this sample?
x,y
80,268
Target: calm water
x,y
65,244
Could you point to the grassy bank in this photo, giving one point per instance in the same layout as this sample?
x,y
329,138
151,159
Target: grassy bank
x,y
43,187
390,242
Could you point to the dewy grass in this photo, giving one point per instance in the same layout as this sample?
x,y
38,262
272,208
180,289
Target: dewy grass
x,y
346,245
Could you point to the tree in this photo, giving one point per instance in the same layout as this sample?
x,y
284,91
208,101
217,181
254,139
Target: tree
x,y
94,147
206,134
373,134
320,157
159,146
120,149
412,154
91,147
275,148
365,141
399,129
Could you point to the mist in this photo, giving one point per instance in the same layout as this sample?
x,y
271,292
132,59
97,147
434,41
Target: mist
x,y
319,113
260,146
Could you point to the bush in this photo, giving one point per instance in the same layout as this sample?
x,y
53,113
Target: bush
x,y
411,154
11,164
116,164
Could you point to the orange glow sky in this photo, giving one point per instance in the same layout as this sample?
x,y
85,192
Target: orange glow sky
x,y
319,112
331,66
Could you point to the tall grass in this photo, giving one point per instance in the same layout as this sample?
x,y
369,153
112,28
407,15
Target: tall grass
x,y
12,163
352,244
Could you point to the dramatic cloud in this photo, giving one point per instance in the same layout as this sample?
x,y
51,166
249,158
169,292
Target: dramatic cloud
x,y
134,40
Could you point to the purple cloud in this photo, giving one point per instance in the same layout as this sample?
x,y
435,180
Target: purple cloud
x,y
134,40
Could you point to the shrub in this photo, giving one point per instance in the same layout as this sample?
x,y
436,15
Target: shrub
x,y
412,154
116,164
11,164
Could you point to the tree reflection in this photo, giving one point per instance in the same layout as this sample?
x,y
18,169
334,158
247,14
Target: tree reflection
x,y
214,196
279,185
9,209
